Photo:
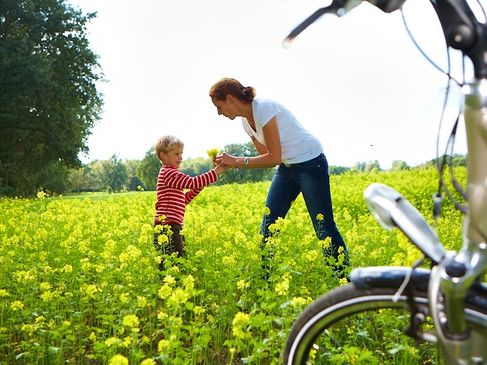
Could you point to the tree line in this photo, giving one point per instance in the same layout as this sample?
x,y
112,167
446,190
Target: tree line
x,y
117,175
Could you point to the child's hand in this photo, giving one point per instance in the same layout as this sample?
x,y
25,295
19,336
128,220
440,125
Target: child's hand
x,y
220,168
225,159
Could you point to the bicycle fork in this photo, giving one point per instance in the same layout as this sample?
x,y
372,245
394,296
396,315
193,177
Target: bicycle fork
x,y
451,279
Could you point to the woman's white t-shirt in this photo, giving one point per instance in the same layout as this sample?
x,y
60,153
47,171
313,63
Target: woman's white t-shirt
x,y
297,144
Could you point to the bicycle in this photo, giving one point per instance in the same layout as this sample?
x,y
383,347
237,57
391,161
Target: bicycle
x,y
446,304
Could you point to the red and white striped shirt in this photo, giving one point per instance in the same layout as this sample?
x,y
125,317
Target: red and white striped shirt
x,y
171,195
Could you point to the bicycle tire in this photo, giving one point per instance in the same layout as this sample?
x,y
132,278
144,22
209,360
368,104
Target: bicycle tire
x,y
348,300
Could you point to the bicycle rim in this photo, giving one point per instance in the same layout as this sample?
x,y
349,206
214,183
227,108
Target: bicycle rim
x,y
339,326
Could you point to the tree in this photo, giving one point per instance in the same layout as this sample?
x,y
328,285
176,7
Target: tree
x,y
337,170
398,165
134,182
372,166
455,159
148,169
113,174
48,98
367,166
54,178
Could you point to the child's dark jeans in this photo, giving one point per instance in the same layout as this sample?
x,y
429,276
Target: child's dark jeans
x,y
173,244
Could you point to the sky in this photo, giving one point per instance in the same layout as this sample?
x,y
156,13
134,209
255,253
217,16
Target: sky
x,y
357,82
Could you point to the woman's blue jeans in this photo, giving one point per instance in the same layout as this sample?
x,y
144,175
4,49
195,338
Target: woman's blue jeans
x,y
312,180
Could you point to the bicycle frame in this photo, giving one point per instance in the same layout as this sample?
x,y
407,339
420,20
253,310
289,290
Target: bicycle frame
x,y
453,273
455,341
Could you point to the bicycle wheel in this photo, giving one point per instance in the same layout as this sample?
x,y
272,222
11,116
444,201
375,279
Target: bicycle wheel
x,y
350,325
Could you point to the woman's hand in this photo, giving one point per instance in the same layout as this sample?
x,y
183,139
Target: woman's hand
x,y
225,159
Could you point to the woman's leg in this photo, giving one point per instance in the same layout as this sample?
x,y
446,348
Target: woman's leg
x,y
282,192
314,182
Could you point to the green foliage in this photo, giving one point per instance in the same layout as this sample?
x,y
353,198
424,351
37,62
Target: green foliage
x,y
455,160
148,169
371,166
114,174
399,165
337,170
48,98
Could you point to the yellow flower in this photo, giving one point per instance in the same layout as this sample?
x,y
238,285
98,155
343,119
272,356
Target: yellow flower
x,y
17,305
239,324
127,341
298,301
200,253
92,336
148,362
119,360
112,341
283,286
188,282
161,315
41,195
311,255
141,301
162,345
47,296
164,291
169,280
89,290
28,328
198,310
67,268
228,260
45,286
242,284
320,217
179,296
3,293
212,152
131,320
124,297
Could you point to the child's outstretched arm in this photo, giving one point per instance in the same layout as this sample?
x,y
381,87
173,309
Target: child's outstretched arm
x,y
191,194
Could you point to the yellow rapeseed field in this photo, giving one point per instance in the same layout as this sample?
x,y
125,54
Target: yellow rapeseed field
x,y
80,282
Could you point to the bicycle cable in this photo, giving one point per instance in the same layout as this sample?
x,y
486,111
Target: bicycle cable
x,y
441,162
407,279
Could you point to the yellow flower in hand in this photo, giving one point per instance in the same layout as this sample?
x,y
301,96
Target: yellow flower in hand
x,y
212,152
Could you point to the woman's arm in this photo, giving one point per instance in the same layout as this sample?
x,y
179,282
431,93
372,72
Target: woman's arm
x,y
259,146
270,154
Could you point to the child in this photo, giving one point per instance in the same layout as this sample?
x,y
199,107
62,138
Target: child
x,y
174,190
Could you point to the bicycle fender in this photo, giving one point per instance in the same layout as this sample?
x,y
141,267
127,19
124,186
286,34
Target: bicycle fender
x,y
389,277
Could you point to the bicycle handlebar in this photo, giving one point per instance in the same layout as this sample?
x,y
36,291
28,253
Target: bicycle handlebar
x,y
461,29
392,210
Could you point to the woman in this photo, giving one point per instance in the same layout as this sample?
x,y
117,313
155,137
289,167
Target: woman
x,y
281,140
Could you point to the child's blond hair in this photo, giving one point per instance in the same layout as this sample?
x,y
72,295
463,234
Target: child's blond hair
x,y
165,143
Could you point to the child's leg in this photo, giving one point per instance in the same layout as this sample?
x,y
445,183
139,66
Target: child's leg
x,y
177,240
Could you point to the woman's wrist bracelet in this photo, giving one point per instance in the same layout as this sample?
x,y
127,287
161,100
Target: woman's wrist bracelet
x,y
245,162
